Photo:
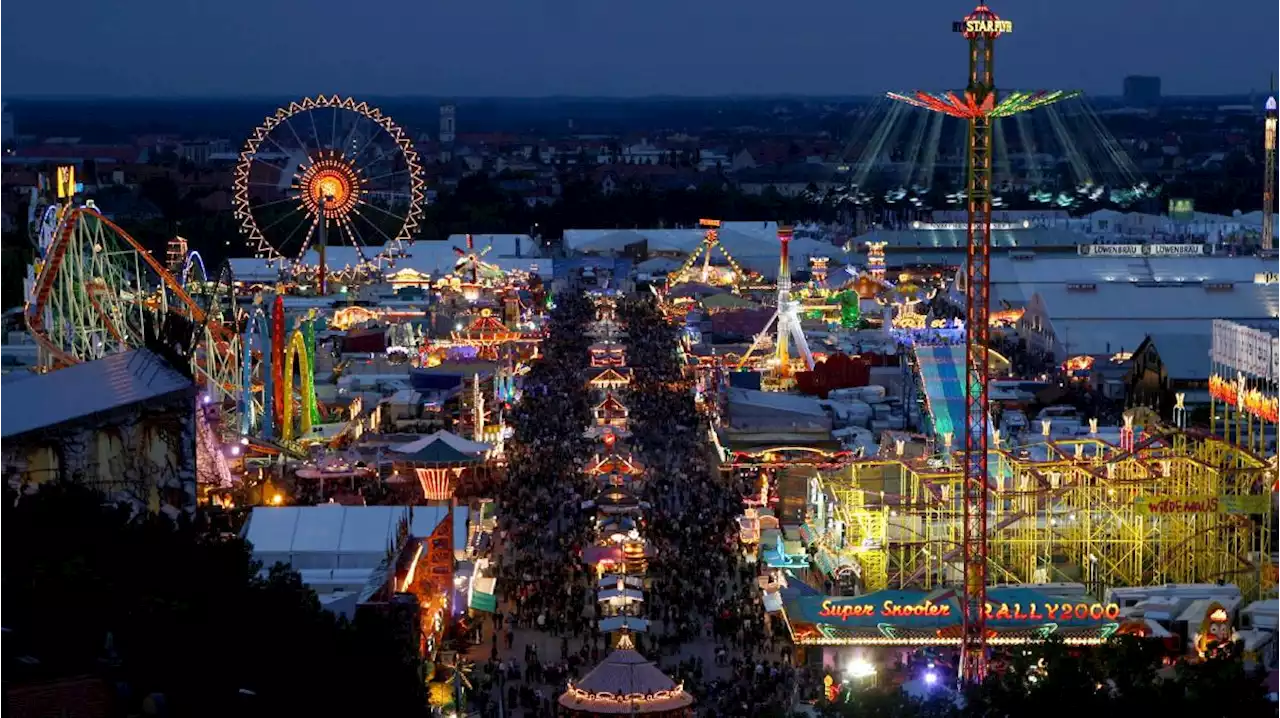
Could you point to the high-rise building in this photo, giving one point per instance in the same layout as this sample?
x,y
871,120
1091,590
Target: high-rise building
x,y
1141,90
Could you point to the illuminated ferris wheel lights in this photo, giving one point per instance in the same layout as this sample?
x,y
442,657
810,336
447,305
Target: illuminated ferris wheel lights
x,y
331,182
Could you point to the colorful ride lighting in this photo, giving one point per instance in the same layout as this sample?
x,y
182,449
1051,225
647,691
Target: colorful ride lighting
x,y
1016,102
965,108
982,22
949,104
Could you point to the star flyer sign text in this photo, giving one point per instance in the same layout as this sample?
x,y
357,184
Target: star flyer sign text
x,y
973,26
1141,250
832,609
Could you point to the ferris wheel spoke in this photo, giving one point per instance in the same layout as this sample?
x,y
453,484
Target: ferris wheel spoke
x,y
357,240
283,172
284,244
392,215
302,146
389,174
356,211
267,185
368,142
314,132
306,240
282,218
264,205
287,153
351,134
333,131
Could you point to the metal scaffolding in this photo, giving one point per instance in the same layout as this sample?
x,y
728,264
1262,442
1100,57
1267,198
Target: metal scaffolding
x,y
1177,508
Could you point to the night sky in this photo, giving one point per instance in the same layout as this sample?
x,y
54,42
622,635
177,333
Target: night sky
x,y
200,48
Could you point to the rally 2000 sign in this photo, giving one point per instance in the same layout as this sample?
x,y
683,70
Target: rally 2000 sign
x,y
834,610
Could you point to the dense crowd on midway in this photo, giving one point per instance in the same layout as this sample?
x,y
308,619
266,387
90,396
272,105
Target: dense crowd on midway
x,y
700,596
702,586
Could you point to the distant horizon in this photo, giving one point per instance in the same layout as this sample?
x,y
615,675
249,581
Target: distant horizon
x,y
255,97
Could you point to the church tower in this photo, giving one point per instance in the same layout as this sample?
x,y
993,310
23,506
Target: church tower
x,y
448,131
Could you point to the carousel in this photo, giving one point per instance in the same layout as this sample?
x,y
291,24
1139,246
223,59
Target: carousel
x,y
626,683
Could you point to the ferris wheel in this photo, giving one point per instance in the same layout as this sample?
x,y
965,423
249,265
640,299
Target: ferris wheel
x,y
331,170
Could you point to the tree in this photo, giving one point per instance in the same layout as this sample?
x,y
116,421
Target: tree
x,y
178,609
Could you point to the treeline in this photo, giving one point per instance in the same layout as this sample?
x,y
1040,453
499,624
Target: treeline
x,y
175,614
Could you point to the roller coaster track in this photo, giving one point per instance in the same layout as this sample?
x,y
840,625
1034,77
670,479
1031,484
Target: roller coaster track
x,y
98,273
55,272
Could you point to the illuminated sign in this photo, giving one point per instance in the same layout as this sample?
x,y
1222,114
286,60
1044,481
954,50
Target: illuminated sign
x,y
1141,250
975,27
964,226
1182,210
833,609
1251,401
1266,278
66,182
1234,505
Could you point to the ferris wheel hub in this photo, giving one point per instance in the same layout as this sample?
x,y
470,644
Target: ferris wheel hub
x,y
332,183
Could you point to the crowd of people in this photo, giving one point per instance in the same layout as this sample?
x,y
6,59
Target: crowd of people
x,y
542,583
707,626
702,588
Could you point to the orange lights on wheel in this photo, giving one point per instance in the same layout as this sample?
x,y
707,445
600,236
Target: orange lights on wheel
x,y
332,180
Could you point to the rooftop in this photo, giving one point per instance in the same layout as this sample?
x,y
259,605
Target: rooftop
x,y
39,401
625,682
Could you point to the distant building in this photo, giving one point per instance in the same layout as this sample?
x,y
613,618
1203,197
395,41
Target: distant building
x,y
1141,90
6,126
448,131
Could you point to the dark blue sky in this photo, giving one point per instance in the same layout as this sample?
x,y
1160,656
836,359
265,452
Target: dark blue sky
x,y
618,47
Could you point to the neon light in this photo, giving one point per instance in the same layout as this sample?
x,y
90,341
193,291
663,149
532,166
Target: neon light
x,y
256,336
836,610
297,353
194,258
277,360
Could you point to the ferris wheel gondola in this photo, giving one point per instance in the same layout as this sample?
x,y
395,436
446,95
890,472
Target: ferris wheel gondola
x,y
328,171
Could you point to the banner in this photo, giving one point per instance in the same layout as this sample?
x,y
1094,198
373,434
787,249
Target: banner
x,y
1141,250
1227,504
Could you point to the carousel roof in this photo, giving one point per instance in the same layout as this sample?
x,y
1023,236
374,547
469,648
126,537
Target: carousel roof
x,y
625,682
438,452
611,402
465,446
611,375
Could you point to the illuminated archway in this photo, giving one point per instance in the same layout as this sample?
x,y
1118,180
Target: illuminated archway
x,y
295,354
254,413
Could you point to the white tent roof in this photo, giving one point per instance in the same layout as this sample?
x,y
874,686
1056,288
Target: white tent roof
x,y
118,380
332,536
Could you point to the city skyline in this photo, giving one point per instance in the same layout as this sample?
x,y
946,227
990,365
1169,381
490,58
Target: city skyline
x,y
492,48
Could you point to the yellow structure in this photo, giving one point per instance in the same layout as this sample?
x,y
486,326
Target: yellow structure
x,y
295,354
1178,508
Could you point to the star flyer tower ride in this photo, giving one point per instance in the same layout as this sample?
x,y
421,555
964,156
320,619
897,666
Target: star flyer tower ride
x,y
980,105
1269,181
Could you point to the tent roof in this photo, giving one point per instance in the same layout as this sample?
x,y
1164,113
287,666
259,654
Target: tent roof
x,y
625,673
438,452
334,528
465,446
40,401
